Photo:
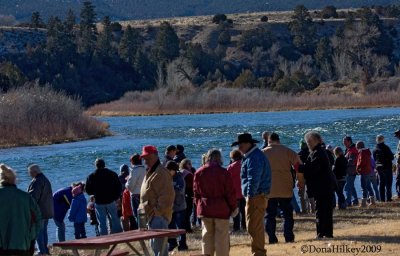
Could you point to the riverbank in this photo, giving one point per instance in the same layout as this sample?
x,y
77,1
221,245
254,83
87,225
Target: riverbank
x,y
354,229
190,100
34,116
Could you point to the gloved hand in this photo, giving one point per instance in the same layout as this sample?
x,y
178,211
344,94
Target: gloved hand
x,y
235,213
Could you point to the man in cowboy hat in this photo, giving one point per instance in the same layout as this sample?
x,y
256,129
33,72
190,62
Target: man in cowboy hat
x,y
156,196
397,135
256,184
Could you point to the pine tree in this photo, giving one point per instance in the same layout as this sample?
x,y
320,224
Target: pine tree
x,y
70,20
166,46
36,20
130,44
87,28
105,38
303,30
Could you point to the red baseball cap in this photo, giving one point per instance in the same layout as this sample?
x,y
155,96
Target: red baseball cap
x,y
148,150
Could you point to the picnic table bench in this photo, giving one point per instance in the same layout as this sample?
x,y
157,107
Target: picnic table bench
x,y
110,242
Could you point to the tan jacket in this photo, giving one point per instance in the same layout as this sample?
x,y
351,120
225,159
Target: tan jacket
x,y
157,193
281,159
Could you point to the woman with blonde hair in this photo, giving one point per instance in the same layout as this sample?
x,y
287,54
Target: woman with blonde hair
x,y
20,220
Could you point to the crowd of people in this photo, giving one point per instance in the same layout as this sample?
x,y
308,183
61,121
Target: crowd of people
x,y
168,193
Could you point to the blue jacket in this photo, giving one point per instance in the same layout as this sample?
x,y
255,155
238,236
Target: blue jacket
x,y
77,214
179,187
62,201
255,173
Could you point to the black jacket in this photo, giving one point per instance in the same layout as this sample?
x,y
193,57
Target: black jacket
x,y
383,156
40,190
303,154
318,174
104,185
340,167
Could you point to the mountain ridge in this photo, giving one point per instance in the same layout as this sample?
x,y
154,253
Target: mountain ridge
x,y
153,9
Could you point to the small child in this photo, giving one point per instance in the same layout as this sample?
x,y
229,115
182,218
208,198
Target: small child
x,y
91,210
128,219
77,214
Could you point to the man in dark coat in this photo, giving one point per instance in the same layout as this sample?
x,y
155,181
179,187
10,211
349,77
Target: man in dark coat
x,y
318,175
106,188
40,190
383,157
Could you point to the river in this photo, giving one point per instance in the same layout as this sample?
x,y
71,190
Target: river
x,y
71,162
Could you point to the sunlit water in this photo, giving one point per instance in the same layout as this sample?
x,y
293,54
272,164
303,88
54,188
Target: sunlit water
x,y
67,163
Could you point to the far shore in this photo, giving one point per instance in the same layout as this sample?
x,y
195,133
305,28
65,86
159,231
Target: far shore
x,y
106,113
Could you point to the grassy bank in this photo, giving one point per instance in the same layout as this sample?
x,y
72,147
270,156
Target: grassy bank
x,y
354,228
190,100
34,115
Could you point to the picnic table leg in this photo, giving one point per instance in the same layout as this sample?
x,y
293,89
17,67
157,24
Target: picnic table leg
x,y
111,250
164,245
144,247
133,248
75,252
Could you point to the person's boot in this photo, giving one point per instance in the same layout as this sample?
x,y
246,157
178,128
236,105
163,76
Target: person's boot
x,y
363,203
373,202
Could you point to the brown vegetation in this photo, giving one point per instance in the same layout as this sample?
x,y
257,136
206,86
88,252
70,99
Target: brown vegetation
x,y
33,115
189,100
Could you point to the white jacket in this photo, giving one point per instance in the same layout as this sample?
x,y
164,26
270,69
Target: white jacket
x,y
135,179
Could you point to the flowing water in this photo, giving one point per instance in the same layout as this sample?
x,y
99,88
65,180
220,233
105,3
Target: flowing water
x,y
71,162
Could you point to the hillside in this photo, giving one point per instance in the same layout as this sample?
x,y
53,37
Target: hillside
x,y
138,9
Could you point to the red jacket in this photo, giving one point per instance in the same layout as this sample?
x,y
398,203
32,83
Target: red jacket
x,y
126,204
364,161
234,170
213,192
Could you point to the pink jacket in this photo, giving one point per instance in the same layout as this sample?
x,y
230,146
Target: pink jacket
x,y
234,169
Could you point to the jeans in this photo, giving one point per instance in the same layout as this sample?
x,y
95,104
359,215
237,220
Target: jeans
x,y
295,205
177,222
240,219
385,184
157,243
339,192
374,183
42,239
351,190
108,210
80,231
135,201
285,206
60,228
366,186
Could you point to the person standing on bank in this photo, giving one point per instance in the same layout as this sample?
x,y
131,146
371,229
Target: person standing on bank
x,y
157,196
351,155
62,199
20,218
134,182
40,190
234,169
282,159
216,203
397,135
383,157
104,184
256,185
317,173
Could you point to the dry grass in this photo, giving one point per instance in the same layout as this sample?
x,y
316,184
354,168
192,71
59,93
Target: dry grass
x,y
188,100
38,115
354,228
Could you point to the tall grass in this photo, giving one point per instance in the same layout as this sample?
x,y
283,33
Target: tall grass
x,y
189,100
33,115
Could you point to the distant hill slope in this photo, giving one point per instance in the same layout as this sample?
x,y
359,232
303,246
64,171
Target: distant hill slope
x,y
147,9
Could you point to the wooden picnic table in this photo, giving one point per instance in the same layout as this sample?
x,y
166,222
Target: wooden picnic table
x,y
110,242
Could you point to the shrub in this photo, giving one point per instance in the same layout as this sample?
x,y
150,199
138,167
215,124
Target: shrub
x,y
218,18
264,18
329,12
246,80
288,85
224,38
31,115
